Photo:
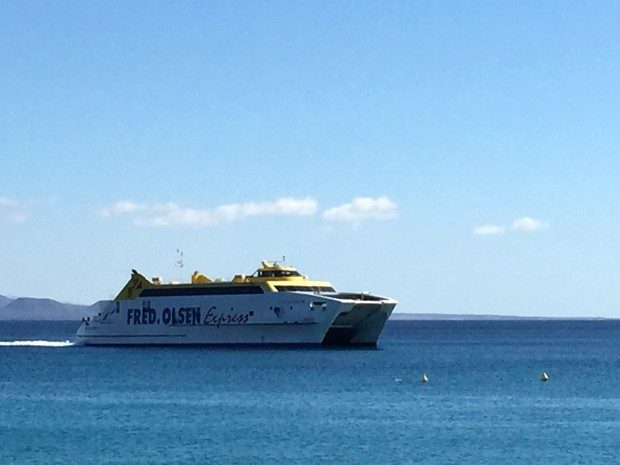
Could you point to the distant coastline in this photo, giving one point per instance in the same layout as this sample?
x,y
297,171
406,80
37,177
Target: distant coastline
x,y
41,309
483,317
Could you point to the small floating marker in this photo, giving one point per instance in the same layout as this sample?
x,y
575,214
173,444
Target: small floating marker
x,y
424,378
544,377
398,380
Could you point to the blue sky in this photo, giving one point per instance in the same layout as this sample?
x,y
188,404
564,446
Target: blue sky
x,y
461,157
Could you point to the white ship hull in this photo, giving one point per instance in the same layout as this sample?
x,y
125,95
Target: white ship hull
x,y
297,318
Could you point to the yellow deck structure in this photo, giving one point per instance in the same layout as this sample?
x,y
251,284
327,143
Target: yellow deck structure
x,y
271,277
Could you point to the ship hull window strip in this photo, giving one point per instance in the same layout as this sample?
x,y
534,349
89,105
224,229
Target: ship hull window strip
x,y
213,290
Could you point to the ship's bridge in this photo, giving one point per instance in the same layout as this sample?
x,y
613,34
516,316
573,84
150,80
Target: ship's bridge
x,y
276,270
277,277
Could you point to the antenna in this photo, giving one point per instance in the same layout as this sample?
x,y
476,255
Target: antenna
x,y
179,264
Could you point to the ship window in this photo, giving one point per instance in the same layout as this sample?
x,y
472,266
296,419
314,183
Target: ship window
x,y
207,290
305,288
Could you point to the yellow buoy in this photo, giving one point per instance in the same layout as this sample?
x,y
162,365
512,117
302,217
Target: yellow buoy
x,y
424,378
544,377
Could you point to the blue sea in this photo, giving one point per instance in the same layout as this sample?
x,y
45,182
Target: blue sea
x,y
484,402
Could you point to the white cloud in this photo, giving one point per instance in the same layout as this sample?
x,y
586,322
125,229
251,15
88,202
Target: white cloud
x,y
362,208
13,210
120,207
528,224
173,214
524,224
18,217
6,202
489,230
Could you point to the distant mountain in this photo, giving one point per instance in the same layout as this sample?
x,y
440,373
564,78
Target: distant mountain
x,y
27,308
4,301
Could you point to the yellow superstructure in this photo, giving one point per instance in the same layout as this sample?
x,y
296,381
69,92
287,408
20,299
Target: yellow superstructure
x,y
271,277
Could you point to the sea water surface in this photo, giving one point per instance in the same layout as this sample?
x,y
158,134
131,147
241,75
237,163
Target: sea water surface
x,y
484,402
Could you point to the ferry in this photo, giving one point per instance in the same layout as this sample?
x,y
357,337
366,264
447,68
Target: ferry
x,y
275,305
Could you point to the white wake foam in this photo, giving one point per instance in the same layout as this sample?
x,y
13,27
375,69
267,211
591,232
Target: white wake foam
x,y
36,343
